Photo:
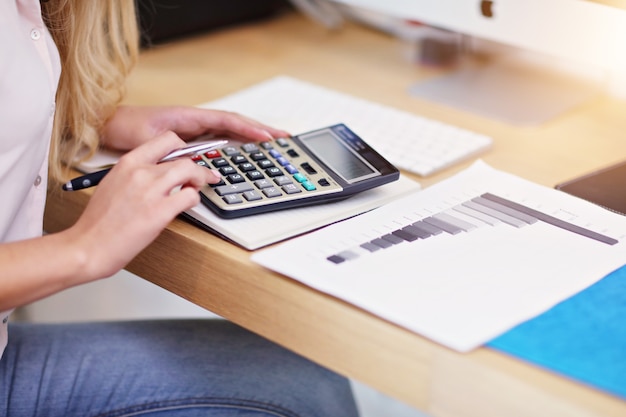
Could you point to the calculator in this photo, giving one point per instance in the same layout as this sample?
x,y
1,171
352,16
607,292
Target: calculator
x,y
320,166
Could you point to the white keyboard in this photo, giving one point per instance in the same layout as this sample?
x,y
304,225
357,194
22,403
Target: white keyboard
x,y
410,142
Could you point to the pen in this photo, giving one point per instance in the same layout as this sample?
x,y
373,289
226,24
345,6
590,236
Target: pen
x,y
92,179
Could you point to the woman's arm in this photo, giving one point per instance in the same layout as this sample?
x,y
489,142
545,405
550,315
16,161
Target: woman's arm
x,y
130,207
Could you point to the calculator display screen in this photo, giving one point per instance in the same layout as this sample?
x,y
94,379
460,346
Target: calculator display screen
x,y
339,157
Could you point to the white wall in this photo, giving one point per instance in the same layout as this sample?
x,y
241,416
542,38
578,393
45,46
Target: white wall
x,y
122,296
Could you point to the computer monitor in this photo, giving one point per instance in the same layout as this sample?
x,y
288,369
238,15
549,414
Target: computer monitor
x,y
569,34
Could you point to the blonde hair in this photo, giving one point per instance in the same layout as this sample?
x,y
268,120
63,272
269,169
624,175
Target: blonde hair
x,y
98,42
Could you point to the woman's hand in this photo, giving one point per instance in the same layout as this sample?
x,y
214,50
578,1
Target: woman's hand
x,y
132,126
130,207
135,202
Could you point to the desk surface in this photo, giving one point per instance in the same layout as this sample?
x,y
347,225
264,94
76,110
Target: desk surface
x,y
220,277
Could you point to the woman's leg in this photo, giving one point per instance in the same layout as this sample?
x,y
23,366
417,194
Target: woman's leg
x,y
161,368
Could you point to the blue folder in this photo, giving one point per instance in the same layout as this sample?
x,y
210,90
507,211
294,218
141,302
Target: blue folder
x,y
583,338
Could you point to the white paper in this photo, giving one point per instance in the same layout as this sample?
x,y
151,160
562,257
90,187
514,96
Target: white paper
x,y
460,290
256,231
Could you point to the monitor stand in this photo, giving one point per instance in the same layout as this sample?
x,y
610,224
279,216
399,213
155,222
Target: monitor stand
x,y
509,91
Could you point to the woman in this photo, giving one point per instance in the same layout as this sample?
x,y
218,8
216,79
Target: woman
x,y
115,369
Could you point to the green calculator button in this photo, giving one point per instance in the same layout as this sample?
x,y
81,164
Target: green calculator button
x,y
308,185
299,177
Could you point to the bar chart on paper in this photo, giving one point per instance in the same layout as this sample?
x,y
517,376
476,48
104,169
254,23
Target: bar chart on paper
x,y
485,210
461,261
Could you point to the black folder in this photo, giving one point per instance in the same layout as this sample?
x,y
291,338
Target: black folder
x,y
605,187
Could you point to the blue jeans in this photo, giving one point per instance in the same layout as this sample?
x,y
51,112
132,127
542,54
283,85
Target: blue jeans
x,y
161,368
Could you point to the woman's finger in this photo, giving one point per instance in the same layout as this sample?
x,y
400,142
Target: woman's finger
x,y
182,172
154,150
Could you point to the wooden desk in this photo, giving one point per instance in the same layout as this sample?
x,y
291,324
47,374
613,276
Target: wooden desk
x,y
219,276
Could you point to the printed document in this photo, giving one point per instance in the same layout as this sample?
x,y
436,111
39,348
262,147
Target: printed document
x,y
462,261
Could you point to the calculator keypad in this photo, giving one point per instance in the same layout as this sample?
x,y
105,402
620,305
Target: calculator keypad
x,y
259,174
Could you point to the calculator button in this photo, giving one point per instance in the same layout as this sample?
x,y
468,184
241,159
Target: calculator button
x,y
271,192
213,154
282,180
275,154
291,169
257,156
308,168
265,163
230,151
246,166
260,184
309,186
232,199
299,177
266,145
249,147
291,189
227,170
282,161
203,163
233,189
254,175
252,195
292,153
217,184
235,178
273,172
238,159
282,142
323,182
219,162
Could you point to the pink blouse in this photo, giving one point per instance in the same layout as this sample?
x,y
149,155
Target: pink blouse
x,y
29,73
